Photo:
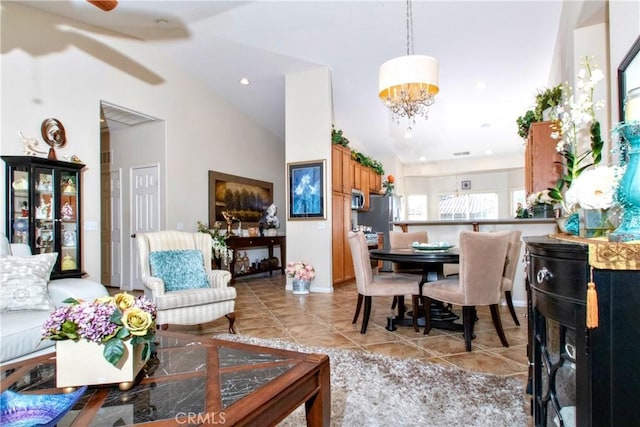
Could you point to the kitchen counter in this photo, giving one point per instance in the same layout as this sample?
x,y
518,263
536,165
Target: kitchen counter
x,y
475,223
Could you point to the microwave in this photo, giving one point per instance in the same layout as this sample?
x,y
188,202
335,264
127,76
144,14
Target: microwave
x,y
357,199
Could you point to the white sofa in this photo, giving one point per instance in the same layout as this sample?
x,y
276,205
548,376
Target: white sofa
x,y
21,331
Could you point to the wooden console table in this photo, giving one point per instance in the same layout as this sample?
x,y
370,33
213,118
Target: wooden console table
x,y
236,243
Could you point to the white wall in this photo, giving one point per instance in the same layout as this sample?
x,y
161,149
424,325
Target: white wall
x,y
308,111
52,67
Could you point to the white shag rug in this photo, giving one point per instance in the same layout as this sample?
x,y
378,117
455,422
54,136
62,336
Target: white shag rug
x,y
376,390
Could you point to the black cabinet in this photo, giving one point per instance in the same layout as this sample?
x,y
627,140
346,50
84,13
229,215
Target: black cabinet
x,y
586,377
44,209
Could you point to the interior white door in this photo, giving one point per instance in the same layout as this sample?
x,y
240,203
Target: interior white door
x,y
145,214
116,228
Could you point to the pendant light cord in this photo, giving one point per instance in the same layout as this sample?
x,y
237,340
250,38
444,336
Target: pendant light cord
x,y
409,28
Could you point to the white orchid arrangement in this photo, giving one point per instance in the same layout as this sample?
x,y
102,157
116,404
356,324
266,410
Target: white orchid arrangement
x,y
595,188
540,198
576,128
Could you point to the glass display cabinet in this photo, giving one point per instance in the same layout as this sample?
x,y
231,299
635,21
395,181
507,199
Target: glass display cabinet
x,y
44,209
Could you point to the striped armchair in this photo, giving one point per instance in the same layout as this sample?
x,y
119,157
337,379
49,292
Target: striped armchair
x,y
187,306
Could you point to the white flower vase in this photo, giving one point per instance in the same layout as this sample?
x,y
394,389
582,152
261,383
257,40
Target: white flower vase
x,y
301,287
82,362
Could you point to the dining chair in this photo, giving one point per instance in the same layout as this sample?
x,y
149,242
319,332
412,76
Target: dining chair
x,y
510,267
482,261
384,284
400,239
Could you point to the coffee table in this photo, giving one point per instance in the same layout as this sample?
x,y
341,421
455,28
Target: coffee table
x,y
195,380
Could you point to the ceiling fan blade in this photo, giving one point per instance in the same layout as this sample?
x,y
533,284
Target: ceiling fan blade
x,y
105,5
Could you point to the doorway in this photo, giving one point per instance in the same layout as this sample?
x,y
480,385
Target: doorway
x,y
132,161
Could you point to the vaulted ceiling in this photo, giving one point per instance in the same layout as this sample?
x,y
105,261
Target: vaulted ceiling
x,y
507,46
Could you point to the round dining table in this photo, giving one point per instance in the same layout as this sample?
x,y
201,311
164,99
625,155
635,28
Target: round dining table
x,y
432,262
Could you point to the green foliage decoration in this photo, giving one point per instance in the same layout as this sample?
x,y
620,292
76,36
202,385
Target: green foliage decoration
x,y
548,98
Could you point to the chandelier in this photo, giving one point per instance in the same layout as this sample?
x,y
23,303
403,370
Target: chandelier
x,y
408,84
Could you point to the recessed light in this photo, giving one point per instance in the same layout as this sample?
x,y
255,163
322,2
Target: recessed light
x,y
245,81
488,152
422,158
481,85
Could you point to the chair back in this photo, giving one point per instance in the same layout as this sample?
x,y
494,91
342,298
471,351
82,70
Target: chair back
x,y
511,263
172,240
398,239
361,261
482,261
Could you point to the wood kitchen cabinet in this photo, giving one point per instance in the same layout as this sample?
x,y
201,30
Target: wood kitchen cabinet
x,y
375,181
356,173
341,169
540,170
341,253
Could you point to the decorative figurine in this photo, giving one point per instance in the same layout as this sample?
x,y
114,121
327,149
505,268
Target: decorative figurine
x,y
230,219
67,212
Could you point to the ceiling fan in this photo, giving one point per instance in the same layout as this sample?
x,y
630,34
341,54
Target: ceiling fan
x,y
105,5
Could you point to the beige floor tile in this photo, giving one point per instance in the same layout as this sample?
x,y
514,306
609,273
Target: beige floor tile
x,y
485,361
516,353
327,339
442,345
398,349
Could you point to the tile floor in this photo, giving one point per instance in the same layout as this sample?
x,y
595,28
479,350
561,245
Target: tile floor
x,y
264,309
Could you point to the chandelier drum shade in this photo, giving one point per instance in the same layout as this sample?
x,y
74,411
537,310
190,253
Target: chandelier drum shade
x,y
408,84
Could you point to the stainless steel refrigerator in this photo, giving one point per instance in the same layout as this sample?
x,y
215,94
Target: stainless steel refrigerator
x,y
383,210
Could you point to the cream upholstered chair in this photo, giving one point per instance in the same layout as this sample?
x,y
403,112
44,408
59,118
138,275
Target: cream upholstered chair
x,y
510,267
370,285
176,272
398,239
482,261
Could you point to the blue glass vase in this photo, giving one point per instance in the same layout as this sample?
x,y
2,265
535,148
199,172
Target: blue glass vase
x,y
629,189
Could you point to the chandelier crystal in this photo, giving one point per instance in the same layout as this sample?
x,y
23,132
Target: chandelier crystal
x,y
408,84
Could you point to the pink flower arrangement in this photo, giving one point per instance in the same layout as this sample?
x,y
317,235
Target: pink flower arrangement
x,y
108,320
300,270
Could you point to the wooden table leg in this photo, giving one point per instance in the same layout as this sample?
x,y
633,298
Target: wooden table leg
x,y
318,407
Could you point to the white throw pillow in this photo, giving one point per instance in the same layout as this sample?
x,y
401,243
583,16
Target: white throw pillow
x,y
23,282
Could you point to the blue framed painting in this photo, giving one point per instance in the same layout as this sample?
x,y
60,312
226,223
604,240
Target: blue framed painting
x,y
306,190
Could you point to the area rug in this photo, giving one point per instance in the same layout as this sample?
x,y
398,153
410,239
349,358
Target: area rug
x,y
376,390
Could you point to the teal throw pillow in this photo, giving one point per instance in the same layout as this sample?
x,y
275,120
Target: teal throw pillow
x,y
179,269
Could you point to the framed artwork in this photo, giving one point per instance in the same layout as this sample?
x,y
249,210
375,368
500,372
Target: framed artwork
x,y
466,185
306,190
245,198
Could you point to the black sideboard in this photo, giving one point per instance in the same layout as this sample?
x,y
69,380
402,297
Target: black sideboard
x,y
580,376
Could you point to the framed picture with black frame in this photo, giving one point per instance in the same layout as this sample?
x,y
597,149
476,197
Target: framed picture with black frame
x,y
306,190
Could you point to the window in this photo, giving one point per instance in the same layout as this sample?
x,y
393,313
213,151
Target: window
x,y
417,207
469,206
518,197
